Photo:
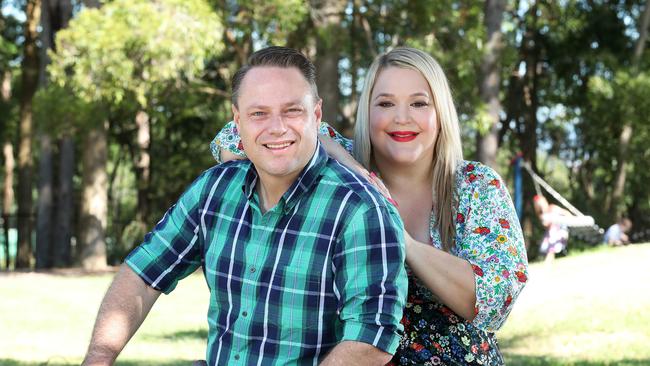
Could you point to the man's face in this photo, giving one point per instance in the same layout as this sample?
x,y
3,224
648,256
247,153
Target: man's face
x,y
278,119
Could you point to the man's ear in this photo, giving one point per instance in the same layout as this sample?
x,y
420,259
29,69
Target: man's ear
x,y
235,114
318,110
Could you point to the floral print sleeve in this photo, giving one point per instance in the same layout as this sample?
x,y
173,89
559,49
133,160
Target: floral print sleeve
x,y
326,130
488,235
228,139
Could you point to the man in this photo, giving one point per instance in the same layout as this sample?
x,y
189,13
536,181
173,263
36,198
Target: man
x,y
304,259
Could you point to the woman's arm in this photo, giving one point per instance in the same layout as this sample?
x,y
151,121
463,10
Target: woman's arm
x,y
481,282
489,237
449,277
226,145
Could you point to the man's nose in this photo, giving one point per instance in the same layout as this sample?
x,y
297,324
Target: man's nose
x,y
277,125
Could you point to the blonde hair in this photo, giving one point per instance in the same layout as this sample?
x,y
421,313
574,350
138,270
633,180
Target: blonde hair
x,y
448,150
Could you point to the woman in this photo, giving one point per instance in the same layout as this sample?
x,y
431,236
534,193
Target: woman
x,y
464,248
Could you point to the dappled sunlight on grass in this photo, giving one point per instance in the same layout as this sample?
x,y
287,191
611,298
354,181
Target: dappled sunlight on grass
x,y
588,309
50,320
583,310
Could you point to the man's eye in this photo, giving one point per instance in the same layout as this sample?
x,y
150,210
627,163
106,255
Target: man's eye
x,y
257,114
294,110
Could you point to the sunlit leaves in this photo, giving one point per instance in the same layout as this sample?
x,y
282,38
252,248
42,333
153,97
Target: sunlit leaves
x,y
135,48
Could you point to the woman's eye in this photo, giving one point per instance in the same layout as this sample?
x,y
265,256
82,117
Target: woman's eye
x,y
385,104
419,104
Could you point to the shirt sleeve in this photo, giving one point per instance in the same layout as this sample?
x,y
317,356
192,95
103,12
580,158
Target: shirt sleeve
x,y
228,139
172,250
370,278
326,130
490,238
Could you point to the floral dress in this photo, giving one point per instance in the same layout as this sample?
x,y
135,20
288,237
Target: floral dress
x,y
489,237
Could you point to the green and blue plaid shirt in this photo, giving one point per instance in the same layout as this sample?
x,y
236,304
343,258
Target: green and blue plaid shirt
x,y
325,265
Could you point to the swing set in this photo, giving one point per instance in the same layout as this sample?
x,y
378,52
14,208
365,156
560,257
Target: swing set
x,y
581,226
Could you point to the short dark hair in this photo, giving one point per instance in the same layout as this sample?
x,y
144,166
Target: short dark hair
x,y
280,57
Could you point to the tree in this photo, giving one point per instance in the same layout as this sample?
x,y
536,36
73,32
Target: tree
x,y
125,58
614,199
487,137
55,15
9,52
327,17
25,162
9,165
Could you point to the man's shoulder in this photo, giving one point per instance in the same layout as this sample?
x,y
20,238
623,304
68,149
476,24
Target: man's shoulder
x,y
224,174
347,182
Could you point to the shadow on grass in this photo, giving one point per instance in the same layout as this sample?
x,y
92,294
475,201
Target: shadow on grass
x,y
201,334
63,362
552,361
515,340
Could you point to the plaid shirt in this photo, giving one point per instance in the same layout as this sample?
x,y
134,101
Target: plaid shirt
x,y
326,264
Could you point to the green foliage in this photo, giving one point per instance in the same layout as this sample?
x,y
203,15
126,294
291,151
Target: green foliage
x,y
272,21
135,49
58,110
10,31
173,59
615,102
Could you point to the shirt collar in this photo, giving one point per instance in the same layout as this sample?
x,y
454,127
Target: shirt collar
x,y
307,178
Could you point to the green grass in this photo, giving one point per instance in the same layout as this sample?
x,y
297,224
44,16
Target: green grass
x,y
47,319
587,309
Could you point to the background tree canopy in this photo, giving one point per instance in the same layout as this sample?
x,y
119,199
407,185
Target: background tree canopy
x,y
130,93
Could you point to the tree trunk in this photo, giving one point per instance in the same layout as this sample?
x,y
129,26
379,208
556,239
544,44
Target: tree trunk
x,y
94,205
143,165
45,198
7,195
25,164
528,136
55,16
614,205
326,16
487,144
61,253
44,204
10,164
5,92
92,3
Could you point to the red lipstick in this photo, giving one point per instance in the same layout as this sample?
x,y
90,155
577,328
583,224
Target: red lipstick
x,y
403,136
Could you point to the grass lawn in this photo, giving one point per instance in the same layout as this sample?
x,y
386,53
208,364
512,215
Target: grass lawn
x,y
585,309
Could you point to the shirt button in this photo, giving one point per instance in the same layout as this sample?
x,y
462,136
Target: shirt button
x,y
236,357
244,314
252,269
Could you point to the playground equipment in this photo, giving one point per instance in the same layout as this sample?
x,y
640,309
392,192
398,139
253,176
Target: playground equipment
x,y
581,226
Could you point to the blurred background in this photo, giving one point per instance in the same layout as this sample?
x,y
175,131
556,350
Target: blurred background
x,y
107,109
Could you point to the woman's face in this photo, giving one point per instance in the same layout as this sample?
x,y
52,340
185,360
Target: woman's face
x,y
403,121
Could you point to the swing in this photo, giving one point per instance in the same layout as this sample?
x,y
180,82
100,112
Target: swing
x,y
581,226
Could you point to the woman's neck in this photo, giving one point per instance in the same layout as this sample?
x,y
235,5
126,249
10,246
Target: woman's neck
x,y
401,177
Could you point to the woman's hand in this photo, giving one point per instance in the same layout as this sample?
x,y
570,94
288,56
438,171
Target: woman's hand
x,y
342,156
226,155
